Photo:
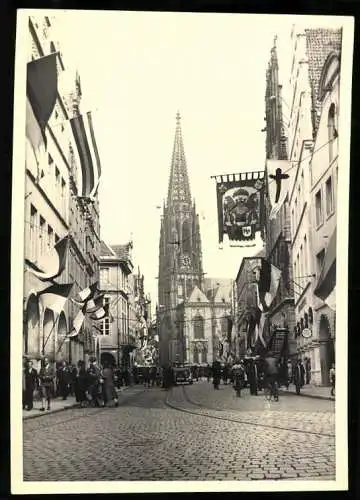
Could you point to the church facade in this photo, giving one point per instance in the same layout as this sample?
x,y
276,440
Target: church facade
x,y
192,311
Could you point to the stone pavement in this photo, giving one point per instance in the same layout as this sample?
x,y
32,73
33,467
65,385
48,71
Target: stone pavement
x,y
312,391
144,439
57,404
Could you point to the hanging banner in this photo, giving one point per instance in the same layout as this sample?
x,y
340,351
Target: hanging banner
x,y
240,203
280,174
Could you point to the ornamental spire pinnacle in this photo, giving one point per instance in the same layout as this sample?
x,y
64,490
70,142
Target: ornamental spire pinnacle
x,y
179,188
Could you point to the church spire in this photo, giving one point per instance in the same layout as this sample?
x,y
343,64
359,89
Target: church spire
x,y
179,188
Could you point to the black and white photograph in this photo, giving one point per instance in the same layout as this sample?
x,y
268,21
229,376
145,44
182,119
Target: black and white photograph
x,y
177,273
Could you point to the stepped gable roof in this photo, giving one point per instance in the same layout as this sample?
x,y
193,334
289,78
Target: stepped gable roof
x,y
320,42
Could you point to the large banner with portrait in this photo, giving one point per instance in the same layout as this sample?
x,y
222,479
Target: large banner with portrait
x,y
240,202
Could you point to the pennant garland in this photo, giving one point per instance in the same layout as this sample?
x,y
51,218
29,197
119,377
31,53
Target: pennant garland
x,y
55,262
240,203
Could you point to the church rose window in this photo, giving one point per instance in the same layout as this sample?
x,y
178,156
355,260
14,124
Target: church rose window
x,y
198,322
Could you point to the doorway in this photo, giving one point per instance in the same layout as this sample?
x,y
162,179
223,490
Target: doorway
x,y
327,349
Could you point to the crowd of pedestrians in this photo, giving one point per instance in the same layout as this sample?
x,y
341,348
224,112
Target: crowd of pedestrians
x,y
94,385
263,373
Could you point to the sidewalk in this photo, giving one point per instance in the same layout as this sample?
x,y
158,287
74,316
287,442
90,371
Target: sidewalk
x,y
57,405
310,391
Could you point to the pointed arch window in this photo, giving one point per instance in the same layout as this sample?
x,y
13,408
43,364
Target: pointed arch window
x,y
186,238
224,325
198,323
196,355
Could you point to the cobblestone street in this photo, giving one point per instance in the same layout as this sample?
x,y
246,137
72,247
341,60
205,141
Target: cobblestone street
x,y
191,433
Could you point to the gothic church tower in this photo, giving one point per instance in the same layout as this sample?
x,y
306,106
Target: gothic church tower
x,y
180,256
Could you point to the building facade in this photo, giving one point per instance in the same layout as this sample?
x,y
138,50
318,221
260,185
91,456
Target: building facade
x,y
114,336
246,282
53,208
324,181
139,318
192,310
278,235
180,256
309,128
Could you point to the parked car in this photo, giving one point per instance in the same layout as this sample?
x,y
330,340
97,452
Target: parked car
x,y
182,375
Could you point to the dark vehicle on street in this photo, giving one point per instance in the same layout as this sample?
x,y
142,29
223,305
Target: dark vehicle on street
x,y
139,374
182,375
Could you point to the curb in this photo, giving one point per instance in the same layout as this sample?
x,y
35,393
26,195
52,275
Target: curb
x,y
57,410
326,398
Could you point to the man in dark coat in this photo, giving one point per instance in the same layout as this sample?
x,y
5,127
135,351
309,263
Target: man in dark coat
x,y
216,372
64,378
253,377
299,376
31,381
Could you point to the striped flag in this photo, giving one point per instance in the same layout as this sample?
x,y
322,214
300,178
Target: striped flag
x,y
54,263
41,91
88,293
94,304
55,296
268,284
101,313
77,324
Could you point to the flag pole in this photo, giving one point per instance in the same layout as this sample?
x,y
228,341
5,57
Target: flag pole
x,y
52,328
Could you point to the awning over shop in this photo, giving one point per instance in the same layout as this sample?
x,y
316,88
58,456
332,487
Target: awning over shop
x,y
327,279
42,87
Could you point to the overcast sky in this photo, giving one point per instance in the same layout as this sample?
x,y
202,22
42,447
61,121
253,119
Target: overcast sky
x,y
137,70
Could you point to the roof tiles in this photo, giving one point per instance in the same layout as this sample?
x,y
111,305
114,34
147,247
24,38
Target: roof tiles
x,y
320,42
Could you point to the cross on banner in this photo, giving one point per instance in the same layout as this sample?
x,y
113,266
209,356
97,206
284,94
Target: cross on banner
x,y
278,177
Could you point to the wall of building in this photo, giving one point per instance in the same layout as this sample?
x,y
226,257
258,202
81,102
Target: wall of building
x,y
191,312
53,210
114,284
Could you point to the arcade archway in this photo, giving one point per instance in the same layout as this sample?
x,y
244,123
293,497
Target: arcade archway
x,y
107,359
48,344
31,333
62,331
327,350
